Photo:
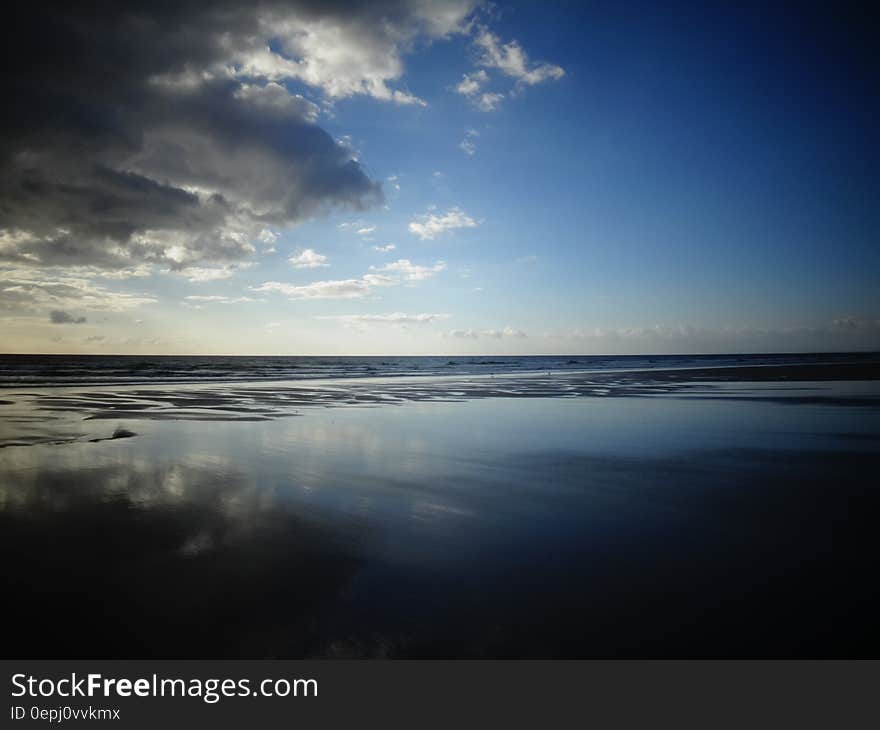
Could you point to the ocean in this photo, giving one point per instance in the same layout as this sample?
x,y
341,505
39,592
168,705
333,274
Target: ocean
x,y
60,370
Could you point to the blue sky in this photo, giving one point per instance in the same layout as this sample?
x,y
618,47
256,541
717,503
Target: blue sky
x,y
639,179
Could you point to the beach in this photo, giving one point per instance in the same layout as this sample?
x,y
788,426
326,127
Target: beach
x,y
716,510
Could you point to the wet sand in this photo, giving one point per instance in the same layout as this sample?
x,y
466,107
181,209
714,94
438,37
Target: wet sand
x,y
31,417
700,513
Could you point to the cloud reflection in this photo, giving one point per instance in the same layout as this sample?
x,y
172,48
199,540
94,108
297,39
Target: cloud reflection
x,y
134,559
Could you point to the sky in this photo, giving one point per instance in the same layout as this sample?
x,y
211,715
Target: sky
x,y
438,177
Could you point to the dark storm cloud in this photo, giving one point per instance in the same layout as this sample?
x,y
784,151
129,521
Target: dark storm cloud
x,y
158,132
59,316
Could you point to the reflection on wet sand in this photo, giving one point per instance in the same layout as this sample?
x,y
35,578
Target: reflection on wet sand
x,y
740,524
132,560
501,527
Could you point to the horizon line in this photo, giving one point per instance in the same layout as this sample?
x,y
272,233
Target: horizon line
x,y
557,354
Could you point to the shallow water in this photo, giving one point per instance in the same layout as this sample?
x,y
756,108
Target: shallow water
x,y
729,519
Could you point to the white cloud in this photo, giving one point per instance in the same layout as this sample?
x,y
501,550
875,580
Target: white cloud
x,y
395,318
472,334
199,274
308,259
380,280
409,271
512,60
392,274
488,102
468,145
267,237
470,84
361,228
218,299
25,289
347,56
430,225
337,289
133,272
387,248
508,58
